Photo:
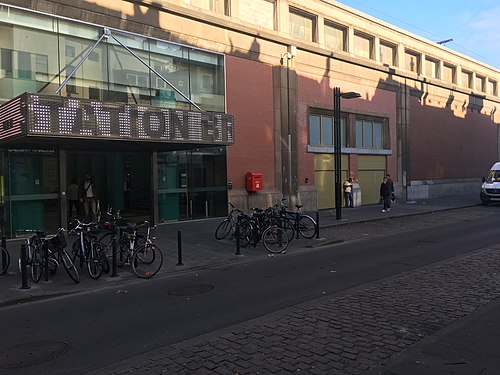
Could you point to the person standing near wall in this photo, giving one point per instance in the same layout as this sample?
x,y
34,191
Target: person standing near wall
x,y
88,197
348,192
73,199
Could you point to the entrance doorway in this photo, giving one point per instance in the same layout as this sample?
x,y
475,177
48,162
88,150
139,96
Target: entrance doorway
x,y
122,181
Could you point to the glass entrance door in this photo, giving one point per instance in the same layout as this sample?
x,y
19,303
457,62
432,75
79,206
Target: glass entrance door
x,y
30,191
122,181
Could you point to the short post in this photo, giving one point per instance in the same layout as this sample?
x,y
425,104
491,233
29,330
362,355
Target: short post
x,y
4,256
113,256
237,234
45,248
179,248
317,224
24,271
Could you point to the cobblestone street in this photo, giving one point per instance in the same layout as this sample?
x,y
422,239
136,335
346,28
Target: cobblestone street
x,y
353,331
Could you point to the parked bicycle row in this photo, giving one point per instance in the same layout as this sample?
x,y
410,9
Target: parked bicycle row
x,y
274,226
96,247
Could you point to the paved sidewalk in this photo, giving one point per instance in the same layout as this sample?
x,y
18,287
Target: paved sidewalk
x,y
201,250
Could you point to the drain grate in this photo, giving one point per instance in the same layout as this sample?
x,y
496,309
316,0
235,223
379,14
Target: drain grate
x,y
32,353
191,290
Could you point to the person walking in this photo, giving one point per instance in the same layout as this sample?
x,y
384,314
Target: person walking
x,y
348,192
88,198
385,194
391,186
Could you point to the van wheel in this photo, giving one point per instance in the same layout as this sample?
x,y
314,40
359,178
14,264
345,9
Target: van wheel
x,y
485,202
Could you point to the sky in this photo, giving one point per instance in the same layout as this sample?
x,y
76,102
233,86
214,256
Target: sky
x,y
474,26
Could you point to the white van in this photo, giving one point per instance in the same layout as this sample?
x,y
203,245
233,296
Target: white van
x,y
490,189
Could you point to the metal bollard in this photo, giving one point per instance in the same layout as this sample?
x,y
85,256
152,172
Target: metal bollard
x,y
237,234
113,256
46,260
317,224
4,257
24,271
179,248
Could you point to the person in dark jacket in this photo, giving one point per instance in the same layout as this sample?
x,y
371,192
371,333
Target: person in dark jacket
x,y
385,194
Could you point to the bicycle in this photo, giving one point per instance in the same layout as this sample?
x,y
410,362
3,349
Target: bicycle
x,y
139,251
228,225
34,255
301,223
52,251
88,249
264,226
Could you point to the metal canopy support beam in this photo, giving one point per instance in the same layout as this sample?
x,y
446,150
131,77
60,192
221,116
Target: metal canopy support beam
x,y
106,34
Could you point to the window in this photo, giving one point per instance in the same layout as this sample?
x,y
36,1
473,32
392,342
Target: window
x,y
449,73
387,54
466,79
335,37
257,12
302,25
431,68
492,87
369,134
321,130
480,83
412,62
363,45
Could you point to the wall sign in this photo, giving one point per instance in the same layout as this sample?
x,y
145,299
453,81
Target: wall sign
x,y
55,116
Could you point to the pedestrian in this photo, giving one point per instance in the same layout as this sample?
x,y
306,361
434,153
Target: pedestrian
x,y
73,199
391,186
348,192
88,198
385,194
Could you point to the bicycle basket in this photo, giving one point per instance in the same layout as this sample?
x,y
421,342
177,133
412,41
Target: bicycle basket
x,y
57,243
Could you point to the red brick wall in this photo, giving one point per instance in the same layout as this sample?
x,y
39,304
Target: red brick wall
x,y
250,99
445,144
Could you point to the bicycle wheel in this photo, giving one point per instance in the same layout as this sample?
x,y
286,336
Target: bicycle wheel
x,y
223,230
287,225
69,266
122,250
275,239
95,261
146,261
246,231
4,261
36,265
307,226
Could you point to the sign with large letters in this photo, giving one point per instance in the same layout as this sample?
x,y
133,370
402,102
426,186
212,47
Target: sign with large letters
x,y
54,116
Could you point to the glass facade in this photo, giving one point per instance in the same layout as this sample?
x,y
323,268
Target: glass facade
x,y
37,53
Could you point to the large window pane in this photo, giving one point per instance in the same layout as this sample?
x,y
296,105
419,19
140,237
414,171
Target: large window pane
x,y
431,68
27,64
335,37
387,54
412,62
363,45
314,130
257,12
377,135
326,130
302,26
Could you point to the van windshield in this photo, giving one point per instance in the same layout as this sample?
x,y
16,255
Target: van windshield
x,y
493,176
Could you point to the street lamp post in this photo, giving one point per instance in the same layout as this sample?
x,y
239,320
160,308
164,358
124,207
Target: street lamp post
x,y
337,145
